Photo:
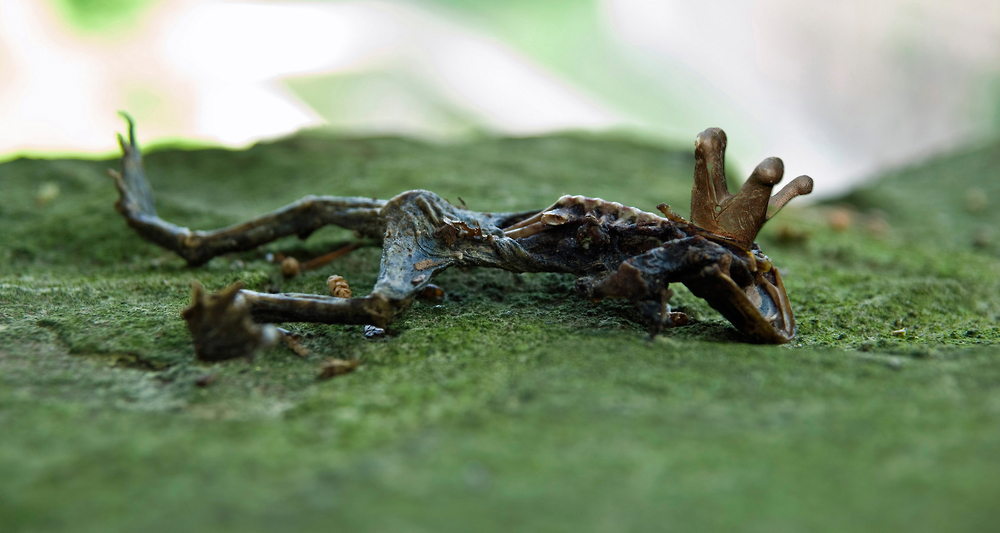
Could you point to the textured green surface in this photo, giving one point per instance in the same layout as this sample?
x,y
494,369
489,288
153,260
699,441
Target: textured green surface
x,y
513,403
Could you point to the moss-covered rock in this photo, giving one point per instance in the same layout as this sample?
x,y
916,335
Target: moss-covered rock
x,y
513,403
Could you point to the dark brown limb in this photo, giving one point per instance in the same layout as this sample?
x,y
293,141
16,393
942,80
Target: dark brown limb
x,y
196,247
748,293
415,250
296,307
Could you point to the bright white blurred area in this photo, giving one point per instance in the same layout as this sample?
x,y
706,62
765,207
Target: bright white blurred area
x,y
839,90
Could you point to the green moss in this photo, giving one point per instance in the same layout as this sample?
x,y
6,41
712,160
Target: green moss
x,y
946,203
513,403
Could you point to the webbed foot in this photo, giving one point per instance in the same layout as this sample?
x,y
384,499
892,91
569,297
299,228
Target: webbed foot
x,y
221,326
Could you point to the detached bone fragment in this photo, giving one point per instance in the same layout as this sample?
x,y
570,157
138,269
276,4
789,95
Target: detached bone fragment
x,y
616,251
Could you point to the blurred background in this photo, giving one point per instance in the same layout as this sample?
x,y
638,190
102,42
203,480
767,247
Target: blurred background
x,y
839,90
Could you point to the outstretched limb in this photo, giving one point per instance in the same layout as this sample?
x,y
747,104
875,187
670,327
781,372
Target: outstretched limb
x,y
301,218
424,236
744,287
236,322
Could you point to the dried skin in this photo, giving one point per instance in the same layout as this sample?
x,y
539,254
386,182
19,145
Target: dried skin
x,y
616,251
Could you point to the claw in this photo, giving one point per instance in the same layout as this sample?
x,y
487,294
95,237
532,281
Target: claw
x,y
136,197
221,325
131,127
121,142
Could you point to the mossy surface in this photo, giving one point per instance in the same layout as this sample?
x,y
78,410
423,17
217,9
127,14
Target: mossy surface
x,y
513,403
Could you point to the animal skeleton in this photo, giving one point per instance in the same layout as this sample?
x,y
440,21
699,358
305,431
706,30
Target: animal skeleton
x,y
617,252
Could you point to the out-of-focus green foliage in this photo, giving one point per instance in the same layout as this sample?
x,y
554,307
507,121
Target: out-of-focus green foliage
x,y
98,15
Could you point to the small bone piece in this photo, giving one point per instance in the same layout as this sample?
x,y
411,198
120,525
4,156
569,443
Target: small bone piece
x,y
290,267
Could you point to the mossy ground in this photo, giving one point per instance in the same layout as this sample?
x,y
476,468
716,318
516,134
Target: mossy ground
x,y
513,403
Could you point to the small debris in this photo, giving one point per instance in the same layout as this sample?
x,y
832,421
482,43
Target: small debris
x,y
294,342
432,293
983,237
206,380
46,193
877,225
678,319
839,220
290,267
333,367
899,332
975,199
372,332
339,287
790,235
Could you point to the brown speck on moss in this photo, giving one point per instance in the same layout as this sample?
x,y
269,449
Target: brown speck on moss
x,y
333,367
